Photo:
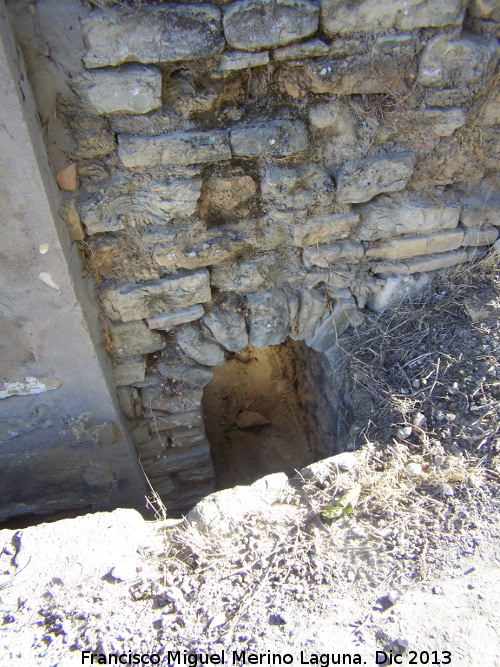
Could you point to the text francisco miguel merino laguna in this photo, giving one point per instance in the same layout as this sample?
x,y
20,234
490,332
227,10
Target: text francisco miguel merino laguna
x,y
173,658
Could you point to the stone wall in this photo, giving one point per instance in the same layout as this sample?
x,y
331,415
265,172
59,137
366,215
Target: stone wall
x,y
258,170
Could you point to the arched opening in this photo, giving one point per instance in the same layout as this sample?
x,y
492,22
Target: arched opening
x,y
273,409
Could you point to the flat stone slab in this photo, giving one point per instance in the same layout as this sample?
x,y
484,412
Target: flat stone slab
x,y
137,301
421,264
361,180
483,306
252,25
324,229
326,255
278,138
235,60
132,89
123,202
408,213
165,33
341,17
312,48
412,246
175,149
168,321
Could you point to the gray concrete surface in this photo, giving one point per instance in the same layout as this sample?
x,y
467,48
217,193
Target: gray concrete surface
x,y
63,443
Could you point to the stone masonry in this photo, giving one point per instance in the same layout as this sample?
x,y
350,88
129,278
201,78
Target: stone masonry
x,y
259,169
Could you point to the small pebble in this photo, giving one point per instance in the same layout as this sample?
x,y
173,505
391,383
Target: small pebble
x,y
404,432
413,470
419,420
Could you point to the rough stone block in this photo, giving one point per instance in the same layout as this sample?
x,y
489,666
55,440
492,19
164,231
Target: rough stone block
x,y
477,236
176,149
361,180
72,219
334,116
199,347
165,33
407,213
353,75
312,48
165,422
197,475
444,121
134,89
306,307
259,24
333,324
269,320
476,252
130,339
278,138
304,187
325,228
421,264
168,321
490,113
154,398
136,302
235,60
211,248
227,323
240,277
477,56
481,207
183,436
223,194
326,255
181,458
180,368
485,9
129,372
123,202
126,402
397,289
483,306
412,246
340,17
